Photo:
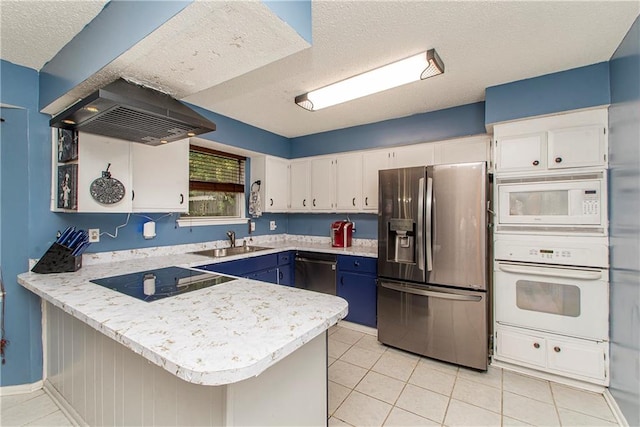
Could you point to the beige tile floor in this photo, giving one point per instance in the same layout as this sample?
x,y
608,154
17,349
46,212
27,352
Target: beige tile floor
x,y
374,385
31,409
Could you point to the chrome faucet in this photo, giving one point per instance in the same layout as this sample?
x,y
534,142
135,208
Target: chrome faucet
x,y
232,238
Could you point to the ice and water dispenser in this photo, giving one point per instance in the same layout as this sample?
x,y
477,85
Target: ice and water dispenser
x,y
401,240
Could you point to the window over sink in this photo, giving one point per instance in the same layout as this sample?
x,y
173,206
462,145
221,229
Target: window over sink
x,y
216,187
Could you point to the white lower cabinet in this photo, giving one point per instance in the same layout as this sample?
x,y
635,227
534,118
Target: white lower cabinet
x,y
580,359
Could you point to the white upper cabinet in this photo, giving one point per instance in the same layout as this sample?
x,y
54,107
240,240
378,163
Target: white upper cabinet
x,y
322,184
273,174
463,150
348,169
563,141
154,179
523,152
160,177
372,162
300,185
576,147
95,154
413,155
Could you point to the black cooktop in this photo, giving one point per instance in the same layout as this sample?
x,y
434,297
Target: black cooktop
x,y
152,285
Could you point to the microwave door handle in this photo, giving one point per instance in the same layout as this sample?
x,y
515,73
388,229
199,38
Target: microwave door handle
x,y
550,272
428,225
420,230
433,294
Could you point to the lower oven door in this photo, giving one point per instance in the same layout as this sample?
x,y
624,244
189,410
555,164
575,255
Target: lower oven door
x,y
562,300
442,323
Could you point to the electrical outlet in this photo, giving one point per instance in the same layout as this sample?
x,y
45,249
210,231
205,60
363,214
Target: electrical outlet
x,y
272,225
354,226
94,235
253,226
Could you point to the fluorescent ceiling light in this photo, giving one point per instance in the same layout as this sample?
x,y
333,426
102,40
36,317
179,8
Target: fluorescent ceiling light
x,y
418,67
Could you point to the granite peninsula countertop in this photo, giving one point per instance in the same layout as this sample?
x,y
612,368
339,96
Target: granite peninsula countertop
x,y
214,336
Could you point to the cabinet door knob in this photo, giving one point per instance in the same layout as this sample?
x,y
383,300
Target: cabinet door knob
x,y
353,201
366,201
536,163
181,198
281,275
304,202
314,202
356,264
536,345
271,202
133,195
558,159
556,349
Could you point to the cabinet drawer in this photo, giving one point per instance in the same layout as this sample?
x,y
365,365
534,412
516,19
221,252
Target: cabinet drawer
x,y
358,264
578,358
261,262
521,347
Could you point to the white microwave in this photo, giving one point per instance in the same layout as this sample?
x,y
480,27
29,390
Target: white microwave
x,y
574,203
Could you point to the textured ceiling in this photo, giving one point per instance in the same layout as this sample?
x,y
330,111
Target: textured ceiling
x,y
235,59
33,31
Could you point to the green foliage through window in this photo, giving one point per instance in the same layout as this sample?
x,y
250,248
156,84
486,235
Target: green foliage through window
x,y
216,183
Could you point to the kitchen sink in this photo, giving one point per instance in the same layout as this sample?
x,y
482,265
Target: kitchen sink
x,y
237,250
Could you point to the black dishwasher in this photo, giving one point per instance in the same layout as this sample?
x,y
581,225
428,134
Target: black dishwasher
x,y
316,272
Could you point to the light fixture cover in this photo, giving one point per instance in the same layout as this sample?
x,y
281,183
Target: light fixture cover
x,y
417,67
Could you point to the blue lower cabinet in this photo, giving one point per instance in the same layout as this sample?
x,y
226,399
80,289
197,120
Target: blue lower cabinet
x,y
269,275
285,274
360,292
357,284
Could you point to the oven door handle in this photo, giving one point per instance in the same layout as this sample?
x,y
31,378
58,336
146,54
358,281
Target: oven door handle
x,y
550,272
425,293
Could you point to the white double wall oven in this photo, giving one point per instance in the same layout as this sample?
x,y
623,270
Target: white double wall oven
x,y
551,256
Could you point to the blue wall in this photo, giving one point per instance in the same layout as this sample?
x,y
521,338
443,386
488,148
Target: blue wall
x,y
434,126
624,194
18,152
296,13
552,93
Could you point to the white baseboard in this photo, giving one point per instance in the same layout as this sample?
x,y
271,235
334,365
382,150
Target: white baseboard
x,y
611,401
64,406
359,328
596,388
20,389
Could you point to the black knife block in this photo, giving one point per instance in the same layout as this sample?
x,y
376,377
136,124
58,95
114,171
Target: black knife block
x,y
58,259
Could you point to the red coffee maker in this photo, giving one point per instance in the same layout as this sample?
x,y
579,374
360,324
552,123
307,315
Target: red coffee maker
x,y
341,233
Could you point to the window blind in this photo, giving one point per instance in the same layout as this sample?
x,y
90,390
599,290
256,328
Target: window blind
x,y
215,171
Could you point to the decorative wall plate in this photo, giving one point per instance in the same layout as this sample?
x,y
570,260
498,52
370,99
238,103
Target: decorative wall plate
x,y
107,190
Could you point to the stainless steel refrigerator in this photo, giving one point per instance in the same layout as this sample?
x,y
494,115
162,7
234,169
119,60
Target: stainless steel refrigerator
x,y
432,262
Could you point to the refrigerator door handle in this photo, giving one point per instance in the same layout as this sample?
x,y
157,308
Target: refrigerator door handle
x,y
433,294
420,230
428,225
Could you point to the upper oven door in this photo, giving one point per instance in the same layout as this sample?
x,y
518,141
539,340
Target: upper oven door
x,y
575,203
567,301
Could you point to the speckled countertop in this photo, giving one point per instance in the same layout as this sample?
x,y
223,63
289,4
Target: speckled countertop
x,y
213,336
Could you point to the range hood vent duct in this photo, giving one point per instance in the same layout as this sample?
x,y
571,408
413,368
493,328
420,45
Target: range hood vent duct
x,y
131,112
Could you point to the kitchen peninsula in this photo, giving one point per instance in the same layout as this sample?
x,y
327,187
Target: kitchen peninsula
x,y
238,353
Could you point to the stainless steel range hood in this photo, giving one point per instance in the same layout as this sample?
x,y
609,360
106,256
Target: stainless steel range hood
x,y
128,111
